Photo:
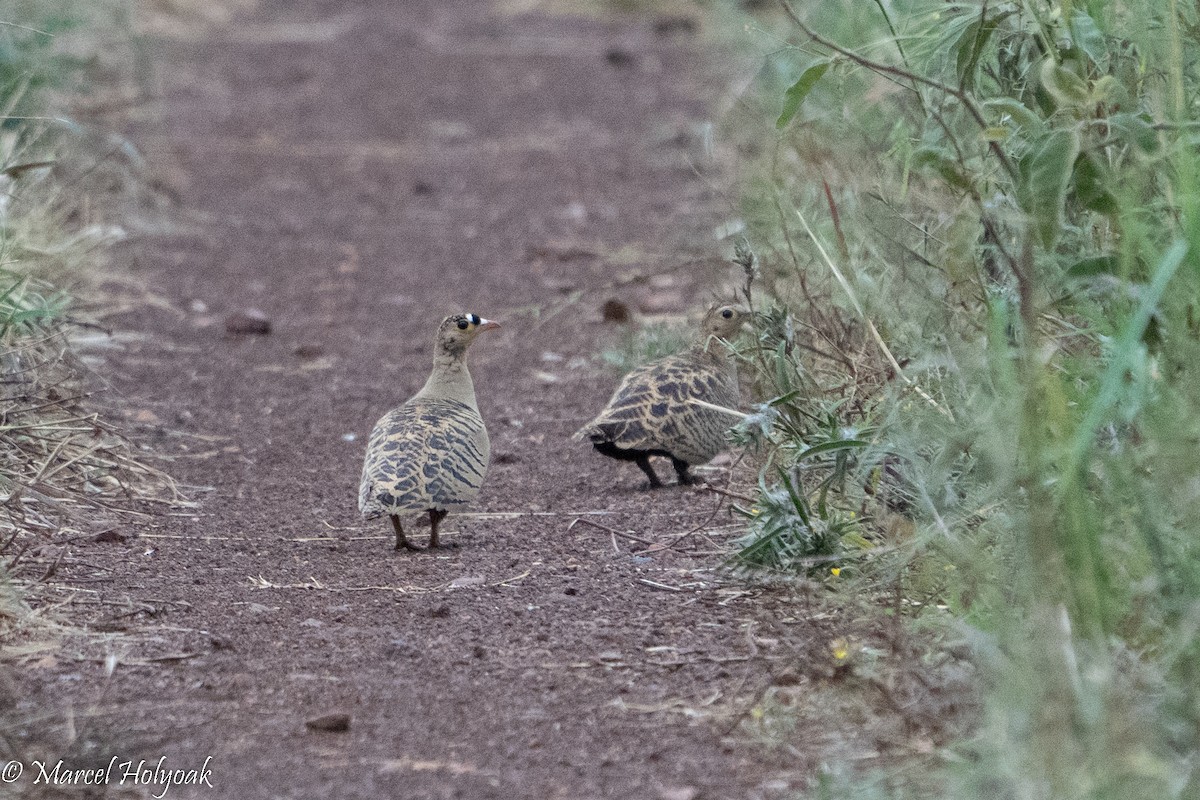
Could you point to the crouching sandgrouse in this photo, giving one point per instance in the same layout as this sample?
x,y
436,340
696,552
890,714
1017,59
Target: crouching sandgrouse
x,y
651,413
431,453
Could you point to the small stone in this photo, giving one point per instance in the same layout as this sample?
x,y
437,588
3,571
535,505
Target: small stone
x,y
614,310
258,608
619,57
787,677
248,321
679,793
466,580
110,536
146,417
570,591
671,24
311,623
334,723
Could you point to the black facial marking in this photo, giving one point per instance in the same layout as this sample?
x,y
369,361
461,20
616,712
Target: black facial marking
x,y
474,319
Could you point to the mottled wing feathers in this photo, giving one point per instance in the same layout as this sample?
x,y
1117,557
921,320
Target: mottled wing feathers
x,y
428,453
650,409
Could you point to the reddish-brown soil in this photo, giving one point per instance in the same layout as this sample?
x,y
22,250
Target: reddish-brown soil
x,y
357,170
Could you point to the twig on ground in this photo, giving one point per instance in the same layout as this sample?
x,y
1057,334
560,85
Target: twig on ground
x,y
728,493
656,585
613,531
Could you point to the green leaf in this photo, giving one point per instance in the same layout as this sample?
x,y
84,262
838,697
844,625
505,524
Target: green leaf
x,y
943,163
1016,111
1064,86
1092,180
1088,38
799,90
970,47
1093,266
784,398
1045,173
830,447
1111,93
1134,129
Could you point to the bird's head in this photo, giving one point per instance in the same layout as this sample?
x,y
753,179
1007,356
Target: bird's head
x,y
724,321
457,331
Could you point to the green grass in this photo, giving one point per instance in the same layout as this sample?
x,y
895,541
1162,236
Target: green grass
x,y
981,221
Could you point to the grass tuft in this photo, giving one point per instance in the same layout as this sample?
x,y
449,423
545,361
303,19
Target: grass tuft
x,y
977,229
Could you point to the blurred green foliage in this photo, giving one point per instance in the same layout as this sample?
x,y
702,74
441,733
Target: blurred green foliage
x,y
980,222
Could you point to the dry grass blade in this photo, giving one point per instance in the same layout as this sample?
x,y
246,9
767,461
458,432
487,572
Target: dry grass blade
x,y
61,464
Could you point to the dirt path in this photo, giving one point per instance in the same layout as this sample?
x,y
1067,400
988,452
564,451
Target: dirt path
x,y
357,170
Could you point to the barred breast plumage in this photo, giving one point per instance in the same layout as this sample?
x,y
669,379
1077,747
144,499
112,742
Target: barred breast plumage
x,y
431,453
651,413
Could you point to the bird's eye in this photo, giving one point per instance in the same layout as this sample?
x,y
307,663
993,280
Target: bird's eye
x,y
727,313
463,324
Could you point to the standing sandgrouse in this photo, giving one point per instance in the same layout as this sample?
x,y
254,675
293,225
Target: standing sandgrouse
x,y
650,413
431,453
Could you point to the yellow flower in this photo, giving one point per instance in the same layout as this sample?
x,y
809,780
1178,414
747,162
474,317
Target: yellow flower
x,y
840,649
835,571
755,512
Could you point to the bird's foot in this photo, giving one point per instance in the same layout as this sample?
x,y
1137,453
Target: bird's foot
x,y
407,545
442,544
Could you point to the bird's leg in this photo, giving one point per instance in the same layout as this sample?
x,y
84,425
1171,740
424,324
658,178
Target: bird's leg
x,y
643,461
681,469
401,542
435,517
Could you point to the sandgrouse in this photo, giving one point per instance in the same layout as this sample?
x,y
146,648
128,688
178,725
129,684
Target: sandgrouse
x,y
431,453
650,414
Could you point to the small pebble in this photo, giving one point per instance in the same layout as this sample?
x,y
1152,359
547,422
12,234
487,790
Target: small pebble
x,y
614,311
334,723
248,321
619,58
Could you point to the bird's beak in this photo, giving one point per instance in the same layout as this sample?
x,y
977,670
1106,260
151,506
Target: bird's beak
x,y
487,325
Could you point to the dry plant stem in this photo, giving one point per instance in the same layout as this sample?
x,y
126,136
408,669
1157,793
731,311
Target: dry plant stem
x,y
870,324
843,248
623,534
714,407
725,492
